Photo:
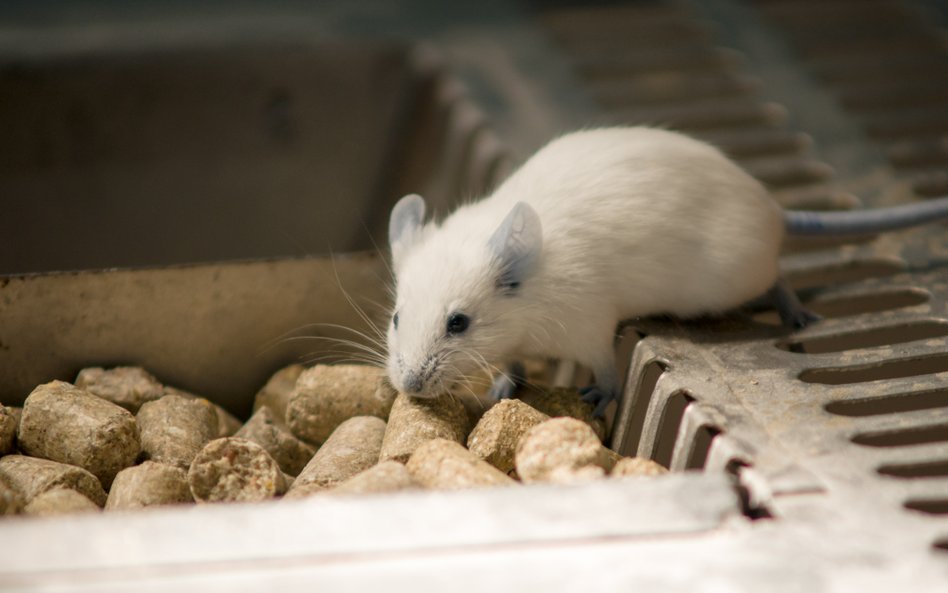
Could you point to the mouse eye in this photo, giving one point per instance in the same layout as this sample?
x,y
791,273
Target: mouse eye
x,y
395,320
458,323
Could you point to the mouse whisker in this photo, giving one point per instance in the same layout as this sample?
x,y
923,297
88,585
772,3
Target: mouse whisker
x,y
488,370
364,352
288,335
345,341
384,309
355,306
333,359
376,341
382,255
376,346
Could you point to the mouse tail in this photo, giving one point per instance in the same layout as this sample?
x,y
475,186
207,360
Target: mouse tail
x,y
865,222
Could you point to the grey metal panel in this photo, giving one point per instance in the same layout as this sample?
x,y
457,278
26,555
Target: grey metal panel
x,y
158,155
217,330
349,532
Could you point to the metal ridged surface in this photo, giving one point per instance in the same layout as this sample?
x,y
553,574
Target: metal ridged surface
x,y
658,64
888,70
854,408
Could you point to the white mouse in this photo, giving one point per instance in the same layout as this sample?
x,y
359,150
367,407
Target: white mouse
x,y
597,227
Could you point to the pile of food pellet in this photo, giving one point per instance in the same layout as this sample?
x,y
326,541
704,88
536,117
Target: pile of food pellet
x,y
119,439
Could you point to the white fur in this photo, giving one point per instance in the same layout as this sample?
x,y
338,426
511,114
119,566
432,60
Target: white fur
x,y
635,221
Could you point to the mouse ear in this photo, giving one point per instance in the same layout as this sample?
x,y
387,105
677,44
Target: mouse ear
x,y
516,245
404,225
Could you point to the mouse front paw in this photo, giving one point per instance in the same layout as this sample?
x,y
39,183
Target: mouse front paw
x,y
506,384
503,387
599,397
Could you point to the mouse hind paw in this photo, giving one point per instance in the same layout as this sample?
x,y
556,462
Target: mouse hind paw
x,y
799,318
793,314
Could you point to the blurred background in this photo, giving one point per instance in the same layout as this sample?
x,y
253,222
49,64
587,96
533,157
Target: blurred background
x,y
137,133
141,133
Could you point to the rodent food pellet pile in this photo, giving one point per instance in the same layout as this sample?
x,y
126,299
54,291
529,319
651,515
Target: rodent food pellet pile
x,y
119,439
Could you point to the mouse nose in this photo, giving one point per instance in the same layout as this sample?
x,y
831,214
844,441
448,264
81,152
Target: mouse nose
x,y
413,382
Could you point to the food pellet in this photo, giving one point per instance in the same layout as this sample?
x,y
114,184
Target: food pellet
x,y
574,475
495,437
32,476
64,423
227,423
637,466
129,387
563,401
8,425
558,450
59,501
414,421
174,428
234,470
276,393
304,491
474,405
327,395
353,447
290,452
11,501
442,464
149,484
612,458
388,476
341,407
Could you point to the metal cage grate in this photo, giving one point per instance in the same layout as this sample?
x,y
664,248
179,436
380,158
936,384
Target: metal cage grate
x,y
856,405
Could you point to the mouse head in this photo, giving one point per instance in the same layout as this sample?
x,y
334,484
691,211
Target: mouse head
x,y
462,290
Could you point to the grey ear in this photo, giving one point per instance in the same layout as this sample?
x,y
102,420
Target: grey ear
x,y
404,225
516,245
